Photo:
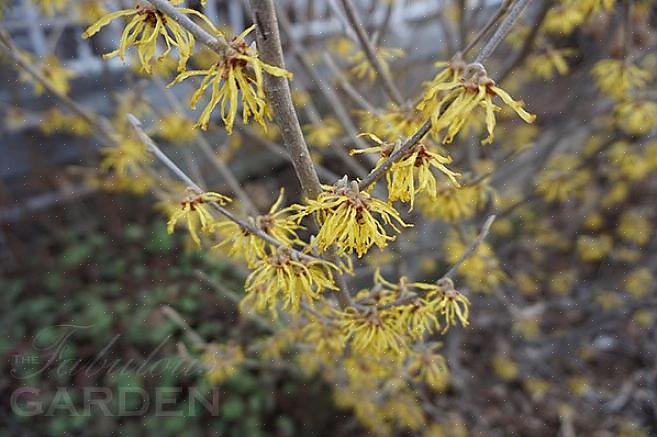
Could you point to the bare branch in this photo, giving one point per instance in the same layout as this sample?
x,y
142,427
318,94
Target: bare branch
x,y
367,46
215,42
485,229
162,157
528,43
501,31
207,150
501,11
381,170
278,93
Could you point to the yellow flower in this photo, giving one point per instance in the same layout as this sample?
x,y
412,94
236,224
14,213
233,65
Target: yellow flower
x,y
537,388
373,331
593,6
363,68
126,162
635,227
451,304
563,179
194,209
284,273
562,282
222,361
143,30
275,223
453,204
579,385
322,333
239,71
563,19
323,134
636,117
51,7
472,91
90,10
348,219
626,163
176,129
481,271
449,74
419,315
405,409
616,77
594,248
527,326
58,75
639,283
550,62
429,367
55,120
415,165
609,300
342,46
394,122
505,368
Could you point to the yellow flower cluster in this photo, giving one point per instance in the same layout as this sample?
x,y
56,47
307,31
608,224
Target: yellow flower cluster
x,y
453,203
194,209
363,67
616,77
562,179
146,26
350,219
416,165
481,271
391,316
567,15
55,121
53,71
295,278
276,223
122,168
428,366
323,134
636,117
550,62
459,105
176,129
222,361
238,73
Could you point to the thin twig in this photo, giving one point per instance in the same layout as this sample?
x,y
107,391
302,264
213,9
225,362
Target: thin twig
x,y
280,98
501,11
501,31
248,227
485,229
346,86
216,42
381,170
528,43
176,318
367,46
207,150
233,297
485,52
327,91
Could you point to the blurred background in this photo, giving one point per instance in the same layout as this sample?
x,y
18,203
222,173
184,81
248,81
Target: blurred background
x,y
88,271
